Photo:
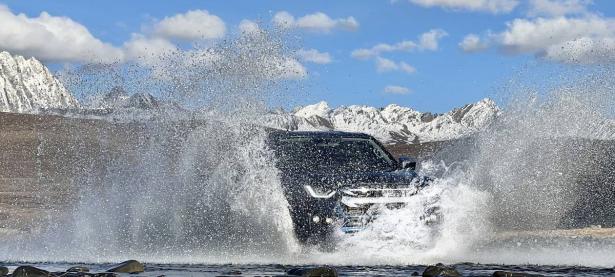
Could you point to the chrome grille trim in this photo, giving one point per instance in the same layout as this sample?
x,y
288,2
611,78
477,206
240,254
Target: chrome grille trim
x,y
358,205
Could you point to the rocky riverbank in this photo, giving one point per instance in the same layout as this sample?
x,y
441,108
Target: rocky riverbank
x,y
150,269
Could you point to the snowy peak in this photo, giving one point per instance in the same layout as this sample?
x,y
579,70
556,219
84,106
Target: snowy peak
x,y
27,86
118,98
320,109
391,124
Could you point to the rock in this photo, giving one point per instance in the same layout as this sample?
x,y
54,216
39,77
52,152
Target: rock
x,y
4,271
514,274
78,268
130,266
440,270
102,274
30,271
415,274
324,271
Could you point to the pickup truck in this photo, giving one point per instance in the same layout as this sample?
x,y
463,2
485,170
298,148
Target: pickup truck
x,y
339,180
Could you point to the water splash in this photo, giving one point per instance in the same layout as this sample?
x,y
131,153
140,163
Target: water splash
x,y
177,184
544,164
198,185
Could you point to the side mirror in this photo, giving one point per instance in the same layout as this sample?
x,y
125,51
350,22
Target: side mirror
x,y
407,163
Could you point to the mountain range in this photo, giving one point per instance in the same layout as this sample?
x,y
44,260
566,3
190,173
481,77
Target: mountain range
x,y
27,86
391,124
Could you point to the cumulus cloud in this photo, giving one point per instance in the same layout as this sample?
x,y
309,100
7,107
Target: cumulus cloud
x,y
60,39
284,19
472,43
287,68
314,56
491,6
582,40
555,8
192,25
583,50
386,65
428,41
396,90
52,38
317,22
524,35
147,50
377,50
249,27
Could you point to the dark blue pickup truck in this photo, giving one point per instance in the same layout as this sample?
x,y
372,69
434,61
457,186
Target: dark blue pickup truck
x,y
338,180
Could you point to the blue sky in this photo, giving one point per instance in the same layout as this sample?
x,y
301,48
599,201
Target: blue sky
x,y
502,36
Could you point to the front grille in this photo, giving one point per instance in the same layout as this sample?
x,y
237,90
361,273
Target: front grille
x,y
355,218
359,206
365,191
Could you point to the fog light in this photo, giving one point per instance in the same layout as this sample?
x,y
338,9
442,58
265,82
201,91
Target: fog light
x,y
316,219
329,220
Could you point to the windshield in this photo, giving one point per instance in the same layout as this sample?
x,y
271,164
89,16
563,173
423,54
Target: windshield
x,y
332,155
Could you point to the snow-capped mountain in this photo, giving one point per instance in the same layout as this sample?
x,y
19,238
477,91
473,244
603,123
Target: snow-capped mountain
x,y
118,98
391,124
27,86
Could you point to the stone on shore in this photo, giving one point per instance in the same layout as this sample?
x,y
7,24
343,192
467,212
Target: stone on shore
x,y
440,270
30,271
4,271
78,269
324,271
130,266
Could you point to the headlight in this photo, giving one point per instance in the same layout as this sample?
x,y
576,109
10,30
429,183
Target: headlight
x,y
316,193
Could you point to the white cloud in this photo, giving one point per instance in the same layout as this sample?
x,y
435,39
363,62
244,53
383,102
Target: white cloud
x,y
148,50
386,65
314,56
472,43
556,8
406,68
396,90
524,35
192,25
583,51
428,41
492,6
249,27
60,39
317,22
52,38
284,19
287,68
375,51
581,40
